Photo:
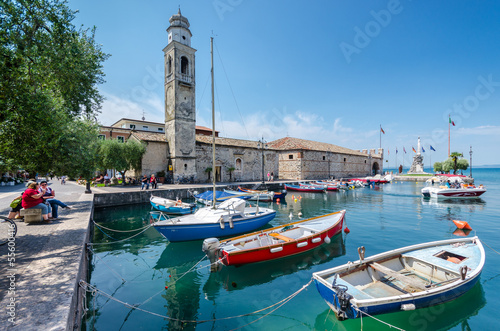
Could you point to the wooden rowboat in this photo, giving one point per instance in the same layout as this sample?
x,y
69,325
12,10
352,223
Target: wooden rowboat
x,y
408,278
277,242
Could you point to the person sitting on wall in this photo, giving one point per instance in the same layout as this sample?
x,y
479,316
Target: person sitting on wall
x,y
145,182
49,197
154,181
32,199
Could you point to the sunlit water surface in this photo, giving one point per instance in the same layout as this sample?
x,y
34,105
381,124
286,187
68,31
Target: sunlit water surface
x,y
381,219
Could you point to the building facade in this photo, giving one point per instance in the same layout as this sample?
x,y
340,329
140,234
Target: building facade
x,y
184,150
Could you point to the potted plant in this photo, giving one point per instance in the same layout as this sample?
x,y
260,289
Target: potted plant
x,y
161,176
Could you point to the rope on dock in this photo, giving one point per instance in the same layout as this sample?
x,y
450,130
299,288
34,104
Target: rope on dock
x,y
117,241
114,230
94,290
361,316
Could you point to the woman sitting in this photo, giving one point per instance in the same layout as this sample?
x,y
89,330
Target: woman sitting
x,y
32,199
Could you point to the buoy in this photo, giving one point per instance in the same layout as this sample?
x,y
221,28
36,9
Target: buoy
x,y
169,275
166,287
300,198
295,200
300,214
461,233
462,225
327,240
346,230
293,197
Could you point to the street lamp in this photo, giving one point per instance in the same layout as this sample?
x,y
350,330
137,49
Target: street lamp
x,y
262,144
470,162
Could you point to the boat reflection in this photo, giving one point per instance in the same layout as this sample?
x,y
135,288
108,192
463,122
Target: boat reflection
x,y
237,278
440,317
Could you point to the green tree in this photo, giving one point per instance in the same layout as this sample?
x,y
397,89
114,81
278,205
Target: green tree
x,y
462,164
114,154
438,167
49,72
455,156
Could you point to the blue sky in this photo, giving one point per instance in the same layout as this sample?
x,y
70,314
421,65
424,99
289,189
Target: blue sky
x,y
329,71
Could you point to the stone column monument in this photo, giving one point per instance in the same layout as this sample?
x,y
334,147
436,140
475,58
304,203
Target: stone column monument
x,y
417,167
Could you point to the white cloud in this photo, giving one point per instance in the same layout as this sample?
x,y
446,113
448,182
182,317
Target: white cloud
x,y
115,107
484,130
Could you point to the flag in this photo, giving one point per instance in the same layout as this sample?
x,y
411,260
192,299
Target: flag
x,y
432,148
388,152
423,150
382,130
413,149
452,123
404,150
396,150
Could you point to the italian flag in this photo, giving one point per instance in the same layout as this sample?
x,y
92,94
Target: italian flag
x,y
451,122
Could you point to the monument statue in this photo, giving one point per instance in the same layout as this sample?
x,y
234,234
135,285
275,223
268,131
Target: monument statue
x,y
417,167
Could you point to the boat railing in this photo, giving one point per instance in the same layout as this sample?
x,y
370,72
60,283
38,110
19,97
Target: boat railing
x,y
160,217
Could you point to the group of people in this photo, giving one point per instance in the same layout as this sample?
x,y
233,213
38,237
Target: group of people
x,y
38,196
270,176
145,181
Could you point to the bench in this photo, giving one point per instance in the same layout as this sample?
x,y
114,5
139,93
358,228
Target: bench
x,y
402,278
280,236
31,215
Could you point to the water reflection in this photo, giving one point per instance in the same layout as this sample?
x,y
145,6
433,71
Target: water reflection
x,y
238,278
440,317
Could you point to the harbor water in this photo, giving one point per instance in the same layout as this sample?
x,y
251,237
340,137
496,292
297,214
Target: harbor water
x,y
147,283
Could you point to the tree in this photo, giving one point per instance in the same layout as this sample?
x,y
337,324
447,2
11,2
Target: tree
x,y
462,164
113,154
454,159
49,72
438,167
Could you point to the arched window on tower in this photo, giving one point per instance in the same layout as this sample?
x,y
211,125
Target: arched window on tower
x,y
169,65
184,65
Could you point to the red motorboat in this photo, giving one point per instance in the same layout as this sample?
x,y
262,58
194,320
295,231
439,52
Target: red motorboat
x,y
281,241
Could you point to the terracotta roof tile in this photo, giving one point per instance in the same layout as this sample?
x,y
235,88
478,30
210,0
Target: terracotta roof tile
x,y
150,136
289,143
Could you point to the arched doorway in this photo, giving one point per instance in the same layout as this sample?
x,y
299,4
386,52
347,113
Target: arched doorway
x,y
375,168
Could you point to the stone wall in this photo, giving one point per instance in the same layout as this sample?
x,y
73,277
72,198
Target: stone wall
x,y
247,162
155,159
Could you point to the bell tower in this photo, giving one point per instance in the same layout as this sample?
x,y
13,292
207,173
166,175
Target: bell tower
x,y
180,117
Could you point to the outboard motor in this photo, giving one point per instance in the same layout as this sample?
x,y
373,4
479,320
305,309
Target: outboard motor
x,y
211,247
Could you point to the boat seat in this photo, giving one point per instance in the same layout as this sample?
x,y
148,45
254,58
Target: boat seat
x,y
402,278
280,236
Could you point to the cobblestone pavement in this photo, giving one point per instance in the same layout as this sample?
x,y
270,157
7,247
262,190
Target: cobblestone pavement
x,y
38,286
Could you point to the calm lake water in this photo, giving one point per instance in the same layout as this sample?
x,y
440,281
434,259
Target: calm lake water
x,y
379,219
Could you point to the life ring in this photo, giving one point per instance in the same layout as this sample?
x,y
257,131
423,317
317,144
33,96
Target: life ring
x,y
178,203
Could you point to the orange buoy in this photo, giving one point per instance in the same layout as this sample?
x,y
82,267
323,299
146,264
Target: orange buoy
x,y
462,225
346,230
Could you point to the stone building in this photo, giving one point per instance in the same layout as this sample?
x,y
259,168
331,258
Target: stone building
x,y
184,150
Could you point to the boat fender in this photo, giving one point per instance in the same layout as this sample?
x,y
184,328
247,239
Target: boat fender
x,y
463,272
361,252
231,225
316,240
327,240
221,221
408,306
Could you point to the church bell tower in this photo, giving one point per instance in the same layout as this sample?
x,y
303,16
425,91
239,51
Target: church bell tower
x,y
180,116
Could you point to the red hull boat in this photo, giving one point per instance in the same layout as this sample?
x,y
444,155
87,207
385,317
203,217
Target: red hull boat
x,y
281,241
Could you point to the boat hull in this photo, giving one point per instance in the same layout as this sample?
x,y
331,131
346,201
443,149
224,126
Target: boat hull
x,y
179,232
368,293
304,188
280,250
450,193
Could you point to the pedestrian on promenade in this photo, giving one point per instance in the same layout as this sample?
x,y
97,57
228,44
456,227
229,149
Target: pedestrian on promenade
x,y
50,197
272,176
268,176
145,182
32,199
154,181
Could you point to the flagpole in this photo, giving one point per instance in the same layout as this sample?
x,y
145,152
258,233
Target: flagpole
x,y
449,121
380,134
430,158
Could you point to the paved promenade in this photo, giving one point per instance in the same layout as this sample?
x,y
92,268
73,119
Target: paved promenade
x,y
40,284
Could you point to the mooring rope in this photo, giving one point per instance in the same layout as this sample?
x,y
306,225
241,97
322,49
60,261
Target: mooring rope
x,y
116,273
114,230
94,290
362,312
490,247
122,240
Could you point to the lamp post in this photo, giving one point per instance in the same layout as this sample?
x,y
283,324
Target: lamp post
x,y
470,152
262,144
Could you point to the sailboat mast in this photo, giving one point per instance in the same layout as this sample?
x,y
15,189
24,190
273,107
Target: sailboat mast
x,y
213,119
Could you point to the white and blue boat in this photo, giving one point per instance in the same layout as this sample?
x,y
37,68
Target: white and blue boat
x,y
408,278
229,218
170,206
207,197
